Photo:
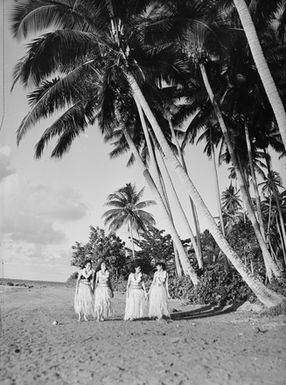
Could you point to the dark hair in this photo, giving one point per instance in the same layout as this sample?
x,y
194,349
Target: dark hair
x,y
162,264
134,265
106,264
86,262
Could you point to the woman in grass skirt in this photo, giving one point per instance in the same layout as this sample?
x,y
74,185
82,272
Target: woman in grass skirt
x,y
135,296
103,294
83,299
158,293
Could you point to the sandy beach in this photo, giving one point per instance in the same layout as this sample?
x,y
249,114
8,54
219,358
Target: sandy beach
x,y
200,345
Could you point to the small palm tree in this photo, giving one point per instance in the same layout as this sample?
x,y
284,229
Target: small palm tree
x,y
231,202
128,209
231,206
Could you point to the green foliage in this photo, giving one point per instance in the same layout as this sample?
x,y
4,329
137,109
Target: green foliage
x,y
210,249
101,247
155,246
127,207
244,242
215,286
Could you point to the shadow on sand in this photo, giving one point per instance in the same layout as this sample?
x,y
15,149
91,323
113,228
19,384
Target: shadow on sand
x,y
204,312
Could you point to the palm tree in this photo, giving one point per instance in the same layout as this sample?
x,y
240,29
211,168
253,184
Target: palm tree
x,y
195,46
262,66
128,208
127,118
231,206
270,188
97,39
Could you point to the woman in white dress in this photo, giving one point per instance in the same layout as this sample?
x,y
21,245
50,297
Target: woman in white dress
x,y
83,299
103,294
158,293
135,296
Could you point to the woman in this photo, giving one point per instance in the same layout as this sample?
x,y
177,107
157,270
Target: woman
x,y
83,300
158,293
135,296
103,294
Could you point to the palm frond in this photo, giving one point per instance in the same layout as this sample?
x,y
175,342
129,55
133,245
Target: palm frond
x,y
70,125
60,51
33,16
53,95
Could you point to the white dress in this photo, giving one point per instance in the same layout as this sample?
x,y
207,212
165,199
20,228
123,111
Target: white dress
x,y
158,299
135,298
102,294
83,299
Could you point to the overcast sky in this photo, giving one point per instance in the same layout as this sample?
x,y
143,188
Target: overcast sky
x,y
47,205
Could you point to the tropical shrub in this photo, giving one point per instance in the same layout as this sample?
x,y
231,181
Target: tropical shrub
x,y
102,247
216,286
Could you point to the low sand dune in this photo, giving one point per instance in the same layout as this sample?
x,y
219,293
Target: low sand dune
x,y
199,346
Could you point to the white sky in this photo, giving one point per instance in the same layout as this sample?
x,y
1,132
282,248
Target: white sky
x,y
47,205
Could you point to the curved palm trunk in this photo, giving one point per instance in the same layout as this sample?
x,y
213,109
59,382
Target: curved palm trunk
x,y
153,160
279,210
176,254
217,189
268,297
193,209
131,236
219,208
281,237
184,258
271,267
262,66
181,210
158,179
177,261
253,176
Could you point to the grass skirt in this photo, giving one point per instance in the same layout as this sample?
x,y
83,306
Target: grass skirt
x,y
135,304
83,300
102,302
158,302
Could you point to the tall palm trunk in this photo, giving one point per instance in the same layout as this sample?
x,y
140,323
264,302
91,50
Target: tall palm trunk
x,y
279,210
181,211
219,208
262,66
268,297
158,179
166,200
270,266
153,161
217,189
131,237
193,209
253,176
281,237
184,258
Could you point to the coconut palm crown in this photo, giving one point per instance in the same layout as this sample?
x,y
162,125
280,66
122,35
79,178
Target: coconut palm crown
x,y
128,209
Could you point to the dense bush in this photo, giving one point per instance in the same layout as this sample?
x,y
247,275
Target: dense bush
x,y
101,247
215,286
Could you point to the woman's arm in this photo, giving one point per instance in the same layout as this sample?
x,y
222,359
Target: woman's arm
x,y
92,281
128,285
97,278
167,285
77,281
144,287
153,281
109,284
